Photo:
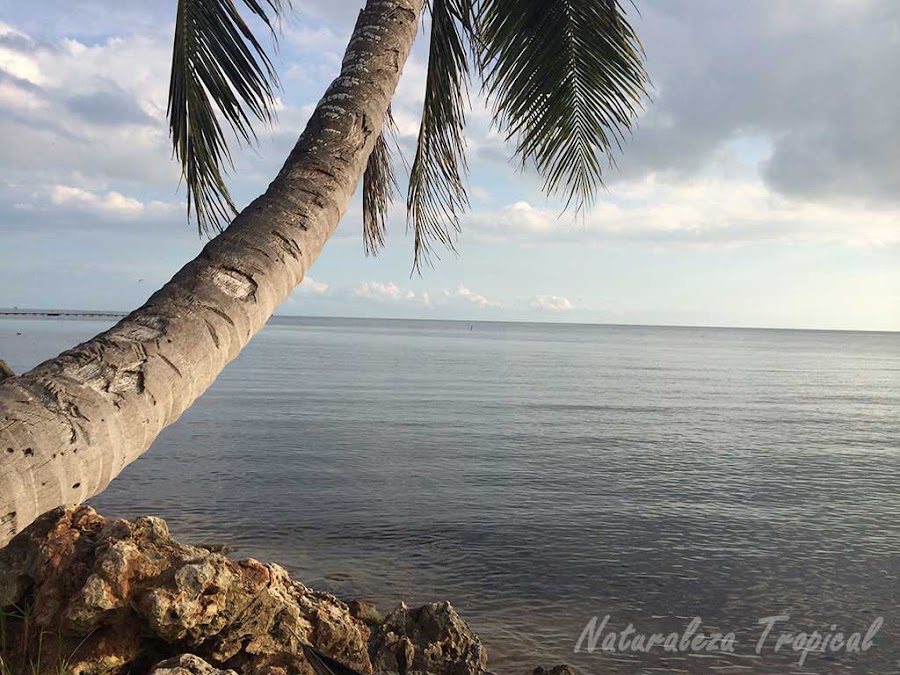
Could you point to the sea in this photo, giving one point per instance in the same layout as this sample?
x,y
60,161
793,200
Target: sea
x,y
558,484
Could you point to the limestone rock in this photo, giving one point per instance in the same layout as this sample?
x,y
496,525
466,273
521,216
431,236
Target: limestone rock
x,y
120,596
366,612
129,584
431,639
187,664
561,669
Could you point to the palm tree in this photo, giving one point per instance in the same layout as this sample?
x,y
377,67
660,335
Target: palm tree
x,y
565,78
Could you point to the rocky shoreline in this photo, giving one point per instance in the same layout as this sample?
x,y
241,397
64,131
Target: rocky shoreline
x,y
88,595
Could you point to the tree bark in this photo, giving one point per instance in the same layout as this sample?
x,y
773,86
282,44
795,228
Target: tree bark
x,y
73,423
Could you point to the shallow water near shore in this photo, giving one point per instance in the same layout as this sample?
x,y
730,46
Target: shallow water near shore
x,y
540,475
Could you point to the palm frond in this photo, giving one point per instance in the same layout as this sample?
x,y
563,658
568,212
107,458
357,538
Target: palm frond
x,y
379,185
437,192
567,80
220,73
323,664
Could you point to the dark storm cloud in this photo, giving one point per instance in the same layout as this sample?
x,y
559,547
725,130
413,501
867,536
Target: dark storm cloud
x,y
816,79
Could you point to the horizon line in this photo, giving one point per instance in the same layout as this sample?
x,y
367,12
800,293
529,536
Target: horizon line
x,y
6,313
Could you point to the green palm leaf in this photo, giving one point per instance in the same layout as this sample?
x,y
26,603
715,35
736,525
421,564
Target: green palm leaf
x,y
437,193
566,78
378,188
220,74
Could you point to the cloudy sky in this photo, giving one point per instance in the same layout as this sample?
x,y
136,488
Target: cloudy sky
x,y
761,187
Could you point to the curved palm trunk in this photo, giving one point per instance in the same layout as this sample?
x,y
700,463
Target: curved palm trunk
x,y
72,424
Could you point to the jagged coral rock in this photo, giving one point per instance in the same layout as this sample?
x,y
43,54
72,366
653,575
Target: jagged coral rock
x,y
88,576
432,639
187,664
366,612
561,669
120,596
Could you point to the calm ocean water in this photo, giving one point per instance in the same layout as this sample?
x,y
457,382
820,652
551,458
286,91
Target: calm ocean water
x,y
539,475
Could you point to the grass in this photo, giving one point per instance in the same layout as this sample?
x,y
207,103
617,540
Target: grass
x,y
26,657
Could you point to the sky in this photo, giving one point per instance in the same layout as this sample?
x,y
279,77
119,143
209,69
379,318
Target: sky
x,y
761,186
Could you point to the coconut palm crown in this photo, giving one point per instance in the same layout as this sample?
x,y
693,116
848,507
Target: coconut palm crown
x,y
565,79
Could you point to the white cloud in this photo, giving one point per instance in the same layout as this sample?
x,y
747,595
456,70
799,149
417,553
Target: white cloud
x,y
138,65
110,203
385,292
470,297
6,29
724,69
705,210
390,292
310,286
552,303
15,96
20,66
95,109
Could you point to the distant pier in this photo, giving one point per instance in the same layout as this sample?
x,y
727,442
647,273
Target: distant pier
x,y
75,314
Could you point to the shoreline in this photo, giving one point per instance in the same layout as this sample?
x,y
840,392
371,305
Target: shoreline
x,y
89,595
